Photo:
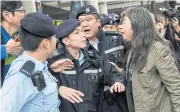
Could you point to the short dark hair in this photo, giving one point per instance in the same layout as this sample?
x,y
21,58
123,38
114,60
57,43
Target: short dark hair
x,y
29,42
10,6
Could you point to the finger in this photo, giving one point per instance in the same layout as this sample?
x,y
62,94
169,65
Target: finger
x,y
79,93
119,88
77,97
73,98
70,66
69,99
111,89
115,87
123,88
172,19
175,18
68,61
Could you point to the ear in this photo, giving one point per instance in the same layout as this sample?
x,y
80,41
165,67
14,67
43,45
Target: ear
x,y
46,43
98,22
65,41
6,15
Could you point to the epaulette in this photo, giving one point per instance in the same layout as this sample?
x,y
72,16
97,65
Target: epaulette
x,y
28,68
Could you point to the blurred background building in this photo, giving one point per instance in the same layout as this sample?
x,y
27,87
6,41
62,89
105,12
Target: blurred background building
x,y
60,9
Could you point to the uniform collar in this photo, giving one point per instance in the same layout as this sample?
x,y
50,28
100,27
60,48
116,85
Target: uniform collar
x,y
39,66
69,56
94,43
81,58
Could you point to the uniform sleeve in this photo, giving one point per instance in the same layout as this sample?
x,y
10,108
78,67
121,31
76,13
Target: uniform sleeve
x,y
111,74
169,74
3,52
15,92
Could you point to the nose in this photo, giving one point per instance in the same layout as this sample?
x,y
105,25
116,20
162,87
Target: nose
x,y
84,23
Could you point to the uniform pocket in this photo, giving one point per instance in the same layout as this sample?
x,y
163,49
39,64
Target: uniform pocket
x,y
50,95
145,76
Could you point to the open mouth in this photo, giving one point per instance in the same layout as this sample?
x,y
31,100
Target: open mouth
x,y
87,31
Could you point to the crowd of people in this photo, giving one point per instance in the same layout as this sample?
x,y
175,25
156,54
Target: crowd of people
x,y
91,62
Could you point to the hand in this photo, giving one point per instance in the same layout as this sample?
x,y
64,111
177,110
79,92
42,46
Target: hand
x,y
118,69
70,94
61,65
117,87
175,22
13,47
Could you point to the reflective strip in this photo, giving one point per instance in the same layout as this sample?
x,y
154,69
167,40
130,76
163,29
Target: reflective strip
x,y
92,71
69,72
114,49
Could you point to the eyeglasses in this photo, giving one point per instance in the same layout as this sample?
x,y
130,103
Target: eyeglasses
x,y
86,20
19,10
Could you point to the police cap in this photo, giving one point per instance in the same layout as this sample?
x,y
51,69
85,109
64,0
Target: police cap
x,y
87,9
67,27
39,24
105,20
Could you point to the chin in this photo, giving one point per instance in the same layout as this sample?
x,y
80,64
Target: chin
x,y
88,36
83,46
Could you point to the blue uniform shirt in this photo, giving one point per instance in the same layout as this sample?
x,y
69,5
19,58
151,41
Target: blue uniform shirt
x,y
19,95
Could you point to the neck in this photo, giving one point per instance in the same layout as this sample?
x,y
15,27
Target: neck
x,y
74,52
11,30
37,55
94,39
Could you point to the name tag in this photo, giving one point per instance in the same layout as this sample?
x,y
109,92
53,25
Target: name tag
x,y
92,71
69,72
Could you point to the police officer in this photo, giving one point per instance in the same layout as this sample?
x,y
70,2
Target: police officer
x,y
108,24
99,43
28,86
119,44
81,84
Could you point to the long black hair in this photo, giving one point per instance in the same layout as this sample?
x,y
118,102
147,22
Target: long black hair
x,y
145,33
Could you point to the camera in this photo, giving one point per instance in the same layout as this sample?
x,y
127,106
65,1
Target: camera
x,y
38,80
171,12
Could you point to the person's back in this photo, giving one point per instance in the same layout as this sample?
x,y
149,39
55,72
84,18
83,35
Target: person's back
x,y
28,86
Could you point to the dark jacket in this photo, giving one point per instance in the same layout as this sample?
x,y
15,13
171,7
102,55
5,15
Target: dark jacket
x,y
111,48
89,78
117,49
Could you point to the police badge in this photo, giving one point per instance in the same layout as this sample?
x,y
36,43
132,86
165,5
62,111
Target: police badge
x,y
87,10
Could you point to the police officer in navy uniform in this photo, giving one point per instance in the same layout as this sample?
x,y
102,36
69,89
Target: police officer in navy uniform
x,y
107,23
81,84
101,44
120,46
28,86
